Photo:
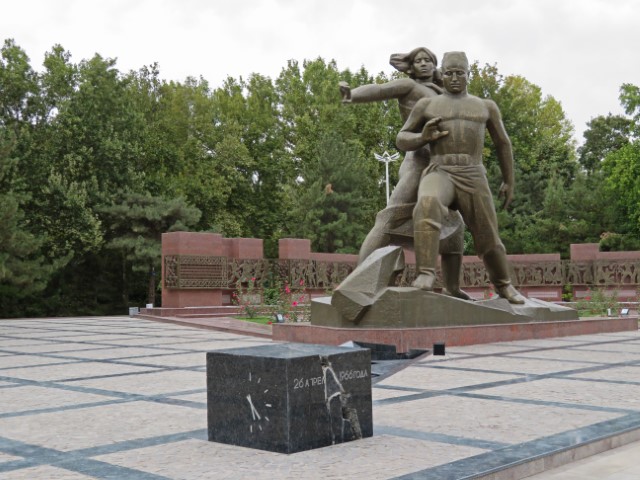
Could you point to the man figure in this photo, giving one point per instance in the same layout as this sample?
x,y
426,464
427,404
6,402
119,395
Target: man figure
x,y
420,64
454,125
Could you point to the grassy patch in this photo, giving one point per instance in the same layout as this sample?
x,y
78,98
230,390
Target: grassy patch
x,y
259,319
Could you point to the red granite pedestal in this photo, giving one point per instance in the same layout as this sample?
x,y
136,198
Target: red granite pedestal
x,y
405,339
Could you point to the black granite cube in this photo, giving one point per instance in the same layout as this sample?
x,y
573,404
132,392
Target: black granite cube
x,y
289,397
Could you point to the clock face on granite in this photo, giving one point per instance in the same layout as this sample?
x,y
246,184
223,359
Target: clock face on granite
x,y
259,404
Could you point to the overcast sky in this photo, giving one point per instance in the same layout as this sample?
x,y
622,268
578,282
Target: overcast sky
x,y
578,51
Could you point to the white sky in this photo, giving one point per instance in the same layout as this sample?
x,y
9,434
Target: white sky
x,y
578,51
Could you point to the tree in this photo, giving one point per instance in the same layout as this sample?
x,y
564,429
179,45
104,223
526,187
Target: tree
x,y
334,202
573,214
250,149
630,100
257,158
543,149
18,86
315,123
622,170
135,226
23,268
603,136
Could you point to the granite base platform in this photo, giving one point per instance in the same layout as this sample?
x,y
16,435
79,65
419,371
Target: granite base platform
x,y
406,339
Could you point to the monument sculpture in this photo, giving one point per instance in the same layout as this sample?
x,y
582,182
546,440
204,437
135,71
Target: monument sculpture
x,y
424,81
453,124
443,172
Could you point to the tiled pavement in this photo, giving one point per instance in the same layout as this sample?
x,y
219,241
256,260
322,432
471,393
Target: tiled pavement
x,y
125,398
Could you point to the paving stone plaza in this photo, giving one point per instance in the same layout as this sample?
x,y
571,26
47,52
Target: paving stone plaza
x,y
125,398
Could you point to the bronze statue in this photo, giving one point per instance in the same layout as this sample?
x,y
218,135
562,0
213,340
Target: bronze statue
x,y
424,82
453,125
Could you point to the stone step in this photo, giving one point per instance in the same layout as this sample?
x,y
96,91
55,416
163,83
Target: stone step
x,y
190,311
221,324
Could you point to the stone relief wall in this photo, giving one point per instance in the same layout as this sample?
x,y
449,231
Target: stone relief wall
x,y
202,272
203,269
212,272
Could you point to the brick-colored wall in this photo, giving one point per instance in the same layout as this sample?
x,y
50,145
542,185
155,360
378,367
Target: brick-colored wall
x,y
219,262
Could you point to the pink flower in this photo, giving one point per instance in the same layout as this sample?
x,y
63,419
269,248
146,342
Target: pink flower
x,y
587,298
295,304
253,279
269,322
287,289
301,282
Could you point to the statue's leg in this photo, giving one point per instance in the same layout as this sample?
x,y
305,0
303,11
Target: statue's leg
x,y
451,252
434,195
409,175
451,264
496,263
405,191
376,238
483,224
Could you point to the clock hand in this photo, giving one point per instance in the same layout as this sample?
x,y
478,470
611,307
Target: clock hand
x,y
254,412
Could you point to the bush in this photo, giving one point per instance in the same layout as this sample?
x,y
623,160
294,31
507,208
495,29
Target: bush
x,y
246,298
597,303
617,242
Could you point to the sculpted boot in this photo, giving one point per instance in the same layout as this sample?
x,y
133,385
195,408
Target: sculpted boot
x,y
495,261
451,264
426,241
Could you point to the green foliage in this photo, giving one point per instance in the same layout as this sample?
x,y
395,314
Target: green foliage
x,y
339,184
96,164
598,303
23,269
258,319
335,199
544,157
622,169
18,86
616,242
74,227
246,298
293,303
573,214
539,131
271,294
630,100
603,136
135,225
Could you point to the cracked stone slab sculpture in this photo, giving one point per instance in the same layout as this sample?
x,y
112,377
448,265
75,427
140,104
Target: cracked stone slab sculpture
x,y
289,397
355,295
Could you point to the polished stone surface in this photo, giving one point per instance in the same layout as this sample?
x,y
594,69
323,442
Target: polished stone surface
x,y
289,398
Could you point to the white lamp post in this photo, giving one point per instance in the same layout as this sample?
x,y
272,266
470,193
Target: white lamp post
x,y
386,158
